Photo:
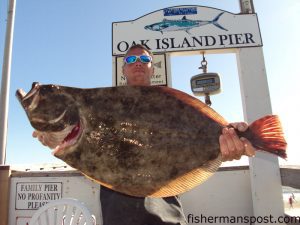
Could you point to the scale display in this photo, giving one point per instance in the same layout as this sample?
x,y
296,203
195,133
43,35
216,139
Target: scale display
x,y
206,83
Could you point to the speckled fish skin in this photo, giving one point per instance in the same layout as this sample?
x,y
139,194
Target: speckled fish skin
x,y
135,139
139,140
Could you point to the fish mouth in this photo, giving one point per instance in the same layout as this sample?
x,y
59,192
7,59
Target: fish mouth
x,y
29,100
148,27
70,139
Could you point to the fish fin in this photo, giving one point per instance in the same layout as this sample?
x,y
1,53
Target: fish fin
x,y
219,26
215,22
184,18
266,134
218,17
96,180
189,180
188,31
195,103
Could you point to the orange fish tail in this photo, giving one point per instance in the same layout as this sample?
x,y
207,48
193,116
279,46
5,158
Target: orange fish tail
x,y
266,134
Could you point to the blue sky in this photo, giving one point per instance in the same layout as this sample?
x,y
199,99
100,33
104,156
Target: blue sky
x,y
68,42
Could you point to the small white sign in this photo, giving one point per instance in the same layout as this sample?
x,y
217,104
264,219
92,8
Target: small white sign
x,y
33,195
160,71
187,28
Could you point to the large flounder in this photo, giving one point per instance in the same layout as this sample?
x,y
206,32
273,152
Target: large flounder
x,y
138,140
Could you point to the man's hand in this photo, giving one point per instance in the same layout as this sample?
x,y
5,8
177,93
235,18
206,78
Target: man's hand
x,y
231,146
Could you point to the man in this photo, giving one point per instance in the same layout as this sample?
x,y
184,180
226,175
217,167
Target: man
x,y
139,73
120,209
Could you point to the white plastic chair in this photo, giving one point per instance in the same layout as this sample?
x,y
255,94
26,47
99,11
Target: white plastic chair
x,y
65,211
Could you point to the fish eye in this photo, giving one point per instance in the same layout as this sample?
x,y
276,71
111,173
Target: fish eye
x,y
156,27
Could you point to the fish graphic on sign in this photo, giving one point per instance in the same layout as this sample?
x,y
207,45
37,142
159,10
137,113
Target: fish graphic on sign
x,y
183,24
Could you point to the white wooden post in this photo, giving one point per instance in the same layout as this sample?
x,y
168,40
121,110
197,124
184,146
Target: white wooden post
x,y
264,168
4,100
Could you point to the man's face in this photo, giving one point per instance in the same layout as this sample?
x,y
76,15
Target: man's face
x,y
138,73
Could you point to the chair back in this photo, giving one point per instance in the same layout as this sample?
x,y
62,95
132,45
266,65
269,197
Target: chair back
x,y
65,211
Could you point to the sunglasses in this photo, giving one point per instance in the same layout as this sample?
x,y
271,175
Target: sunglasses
x,y
133,58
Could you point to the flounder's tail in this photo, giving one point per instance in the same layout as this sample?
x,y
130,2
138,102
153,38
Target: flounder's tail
x,y
266,134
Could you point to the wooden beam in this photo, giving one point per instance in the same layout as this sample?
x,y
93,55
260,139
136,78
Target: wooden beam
x,y
4,193
289,176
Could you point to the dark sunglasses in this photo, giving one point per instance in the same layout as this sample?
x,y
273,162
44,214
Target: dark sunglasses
x,y
133,58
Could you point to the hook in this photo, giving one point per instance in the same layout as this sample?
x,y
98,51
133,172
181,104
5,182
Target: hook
x,y
207,99
203,64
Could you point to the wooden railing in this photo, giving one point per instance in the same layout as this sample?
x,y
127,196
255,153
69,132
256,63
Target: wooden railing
x,y
290,176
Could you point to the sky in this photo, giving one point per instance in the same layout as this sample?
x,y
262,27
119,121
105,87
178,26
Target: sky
x,y
68,42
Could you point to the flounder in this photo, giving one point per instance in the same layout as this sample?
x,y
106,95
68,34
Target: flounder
x,y
138,140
